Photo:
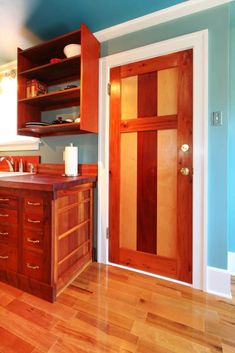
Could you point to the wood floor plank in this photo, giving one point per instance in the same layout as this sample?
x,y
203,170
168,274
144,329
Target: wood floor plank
x,y
85,335
227,348
67,299
113,285
167,308
111,310
149,347
7,289
169,341
104,313
26,330
58,310
210,341
5,299
9,343
108,327
117,306
32,314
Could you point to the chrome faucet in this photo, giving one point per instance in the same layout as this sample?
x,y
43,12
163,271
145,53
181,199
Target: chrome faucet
x,y
9,162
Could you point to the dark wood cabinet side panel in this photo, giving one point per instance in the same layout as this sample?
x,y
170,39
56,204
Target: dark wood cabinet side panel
x,y
90,53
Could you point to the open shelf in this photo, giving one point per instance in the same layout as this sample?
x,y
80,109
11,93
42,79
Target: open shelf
x,y
43,52
34,64
54,129
54,98
54,71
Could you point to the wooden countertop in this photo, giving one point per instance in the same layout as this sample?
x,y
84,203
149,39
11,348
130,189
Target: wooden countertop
x,y
45,182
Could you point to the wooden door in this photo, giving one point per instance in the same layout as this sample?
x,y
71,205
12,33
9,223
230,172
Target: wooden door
x,y
150,205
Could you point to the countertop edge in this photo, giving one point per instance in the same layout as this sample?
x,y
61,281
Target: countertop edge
x,y
43,182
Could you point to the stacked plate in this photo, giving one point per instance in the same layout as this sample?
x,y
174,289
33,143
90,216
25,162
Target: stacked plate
x,y
36,123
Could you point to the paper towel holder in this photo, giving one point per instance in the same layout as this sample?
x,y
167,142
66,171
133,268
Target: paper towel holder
x,y
71,166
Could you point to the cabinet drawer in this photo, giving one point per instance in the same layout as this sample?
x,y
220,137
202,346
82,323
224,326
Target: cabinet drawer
x,y
34,266
33,239
33,205
8,257
8,233
7,200
8,216
35,221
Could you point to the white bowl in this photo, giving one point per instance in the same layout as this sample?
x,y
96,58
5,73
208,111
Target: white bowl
x,y
72,50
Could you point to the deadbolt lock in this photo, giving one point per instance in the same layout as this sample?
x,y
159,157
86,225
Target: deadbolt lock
x,y
184,171
184,147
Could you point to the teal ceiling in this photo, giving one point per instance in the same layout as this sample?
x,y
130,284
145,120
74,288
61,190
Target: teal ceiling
x,y
25,23
49,18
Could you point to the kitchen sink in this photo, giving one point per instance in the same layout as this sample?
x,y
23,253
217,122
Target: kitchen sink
x,y
8,174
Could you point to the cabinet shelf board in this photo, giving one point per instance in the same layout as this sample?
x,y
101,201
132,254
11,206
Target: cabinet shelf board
x,y
43,52
54,98
55,71
59,129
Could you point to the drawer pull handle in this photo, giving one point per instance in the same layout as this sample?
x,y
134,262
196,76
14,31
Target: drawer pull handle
x,y
33,203
4,215
4,233
3,199
33,221
34,241
33,267
4,257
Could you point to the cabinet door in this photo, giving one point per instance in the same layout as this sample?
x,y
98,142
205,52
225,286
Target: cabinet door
x,y
73,232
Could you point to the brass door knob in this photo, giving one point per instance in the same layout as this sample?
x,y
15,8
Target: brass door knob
x,y
184,171
184,147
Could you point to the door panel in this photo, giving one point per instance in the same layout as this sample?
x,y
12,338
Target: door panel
x,y
128,190
129,98
167,193
150,197
167,91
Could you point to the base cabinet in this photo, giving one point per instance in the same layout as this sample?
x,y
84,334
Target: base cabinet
x,y
45,239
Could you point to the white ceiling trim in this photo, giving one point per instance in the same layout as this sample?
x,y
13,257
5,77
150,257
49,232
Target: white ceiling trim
x,y
171,13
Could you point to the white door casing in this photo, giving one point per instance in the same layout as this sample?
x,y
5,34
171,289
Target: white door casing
x,y
198,41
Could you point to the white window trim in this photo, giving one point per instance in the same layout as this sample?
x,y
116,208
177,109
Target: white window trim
x,y
198,41
22,143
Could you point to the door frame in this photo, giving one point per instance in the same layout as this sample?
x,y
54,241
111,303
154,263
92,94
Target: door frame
x,y
198,41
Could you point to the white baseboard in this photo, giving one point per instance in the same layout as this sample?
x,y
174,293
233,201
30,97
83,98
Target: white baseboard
x,y
218,282
231,263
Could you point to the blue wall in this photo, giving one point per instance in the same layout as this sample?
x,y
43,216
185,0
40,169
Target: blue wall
x,y
231,156
217,22
52,148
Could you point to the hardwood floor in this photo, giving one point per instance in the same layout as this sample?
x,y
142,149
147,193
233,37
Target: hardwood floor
x,y
110,310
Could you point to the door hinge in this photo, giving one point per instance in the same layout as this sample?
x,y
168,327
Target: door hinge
x,y
107,233
109,89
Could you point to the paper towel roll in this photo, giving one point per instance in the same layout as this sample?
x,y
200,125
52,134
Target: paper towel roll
x,y
71,160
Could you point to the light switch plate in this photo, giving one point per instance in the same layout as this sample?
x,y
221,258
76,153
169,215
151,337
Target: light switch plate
x,y
217,119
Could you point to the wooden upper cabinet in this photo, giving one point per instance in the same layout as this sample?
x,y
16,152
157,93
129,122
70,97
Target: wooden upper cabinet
x,y
80,70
